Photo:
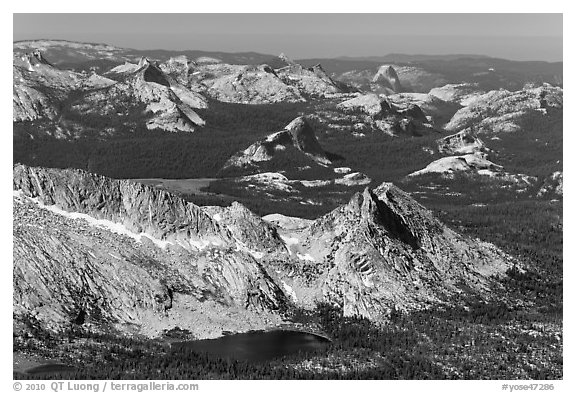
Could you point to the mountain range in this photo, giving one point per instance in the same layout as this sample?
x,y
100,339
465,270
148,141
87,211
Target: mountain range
x,y
159,193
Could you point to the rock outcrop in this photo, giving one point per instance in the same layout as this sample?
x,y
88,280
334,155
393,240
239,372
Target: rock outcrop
x,y
371,104
384,115
463,142
297,136
387,80
465,163
475,164
383,80
462,93
553,185
435,109
178,68
501,110
170,106
243,84
250,230
310,82
38,86
29,103
262,84
34,59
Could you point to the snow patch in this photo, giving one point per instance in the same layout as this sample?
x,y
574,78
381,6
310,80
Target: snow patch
x,y
199,244
242,247
289,240
305,257
342,170
114,227
288,289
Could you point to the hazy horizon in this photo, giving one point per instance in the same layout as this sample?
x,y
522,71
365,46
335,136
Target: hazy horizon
x,y
509,36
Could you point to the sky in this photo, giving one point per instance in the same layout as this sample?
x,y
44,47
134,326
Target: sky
x,y
511,36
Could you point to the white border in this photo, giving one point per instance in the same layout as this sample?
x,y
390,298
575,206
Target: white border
x,y
307,6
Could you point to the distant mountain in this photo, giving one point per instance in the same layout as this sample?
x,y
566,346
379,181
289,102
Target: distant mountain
x,y
425,73
406,58
142,89
82,56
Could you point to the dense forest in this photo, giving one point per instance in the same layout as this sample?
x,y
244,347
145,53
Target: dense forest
x,y
536,149
134,152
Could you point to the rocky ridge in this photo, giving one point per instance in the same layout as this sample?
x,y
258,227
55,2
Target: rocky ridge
x,y
141,259
384,250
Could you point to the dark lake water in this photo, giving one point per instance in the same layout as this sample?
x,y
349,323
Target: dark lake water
x,y
258,346
50,368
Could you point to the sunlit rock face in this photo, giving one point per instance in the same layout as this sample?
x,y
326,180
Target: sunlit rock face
x,y
502,110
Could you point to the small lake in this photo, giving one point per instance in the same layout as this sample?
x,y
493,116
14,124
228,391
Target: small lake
x,y
50,368
258,346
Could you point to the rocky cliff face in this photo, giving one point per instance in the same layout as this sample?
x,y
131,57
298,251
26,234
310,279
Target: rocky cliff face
x,y
387,79
384,250
138,208
251,232
29,103
178,68
103,252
